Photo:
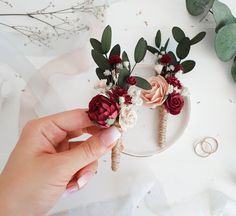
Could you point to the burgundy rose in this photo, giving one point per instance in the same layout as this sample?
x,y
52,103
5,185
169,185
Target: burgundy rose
x,y
174,103
178,68
103,111
118,92
166,59
172,80
114,59
131,80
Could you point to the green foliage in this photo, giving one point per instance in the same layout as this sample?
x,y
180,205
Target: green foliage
x,y
140,50
106,39
158,39
178,34
142,83
123,75
97,46
225,42
115,50
152,50
100,60
100,74
188,65
183,48
198,38
222,15
233,71
198,7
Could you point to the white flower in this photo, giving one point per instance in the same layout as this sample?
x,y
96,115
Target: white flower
x,y
121,100
163,52
128,118
185,92
119,66
137,101
170,89
134,92
126,64
177,90
158,68
179,74
114,75
107,73
172,67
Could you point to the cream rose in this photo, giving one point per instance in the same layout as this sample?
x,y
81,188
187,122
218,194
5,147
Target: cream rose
x,y
156,96
127,118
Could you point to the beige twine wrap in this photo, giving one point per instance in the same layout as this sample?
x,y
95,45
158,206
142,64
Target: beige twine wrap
x,y
163,118
116,155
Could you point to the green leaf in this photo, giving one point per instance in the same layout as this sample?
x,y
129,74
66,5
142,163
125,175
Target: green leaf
x,y
100,74
198,38
183,48
233,71
198,7
158,39
225,42
106,39
97,46
188,65
152,50
142,83
178,34
166,44
115,50
100,60
123,74
173,57
222,15
140,50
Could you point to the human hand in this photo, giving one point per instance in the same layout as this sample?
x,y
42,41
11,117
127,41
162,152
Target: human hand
x,y
45,163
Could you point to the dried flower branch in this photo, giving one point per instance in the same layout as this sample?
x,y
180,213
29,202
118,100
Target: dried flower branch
x,y
55,23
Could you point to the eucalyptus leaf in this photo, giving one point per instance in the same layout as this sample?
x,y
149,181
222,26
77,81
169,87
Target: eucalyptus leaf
x,y
97,46
183,48
123,74
166,44
198,38
225,42
188,65
222,15
198,7
140,50
106,39
152,50
125,56
158,39
100,73
115,50
233,71
178,34
142,83
100,60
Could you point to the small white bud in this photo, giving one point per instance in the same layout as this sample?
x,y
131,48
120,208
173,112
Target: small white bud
x,y
126,64
107,73
172,67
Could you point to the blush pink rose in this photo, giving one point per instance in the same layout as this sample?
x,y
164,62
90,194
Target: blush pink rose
x,y
157,95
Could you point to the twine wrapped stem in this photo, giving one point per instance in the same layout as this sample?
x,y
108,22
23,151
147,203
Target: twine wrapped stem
x,y
116,152
163,118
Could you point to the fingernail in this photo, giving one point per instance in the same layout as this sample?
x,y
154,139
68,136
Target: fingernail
x,y
83,180
109,136
70,191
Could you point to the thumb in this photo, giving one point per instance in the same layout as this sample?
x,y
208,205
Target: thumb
x,y
91,149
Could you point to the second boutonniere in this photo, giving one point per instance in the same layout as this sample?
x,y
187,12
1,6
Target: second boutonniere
x,y
118,90
167,91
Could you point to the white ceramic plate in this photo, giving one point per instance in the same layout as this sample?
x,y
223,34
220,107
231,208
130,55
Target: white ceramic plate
x,y
142,141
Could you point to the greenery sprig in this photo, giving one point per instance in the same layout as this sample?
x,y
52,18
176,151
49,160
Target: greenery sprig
x,y
118,73
182,49
225,40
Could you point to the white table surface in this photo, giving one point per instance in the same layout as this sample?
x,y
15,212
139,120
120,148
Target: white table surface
x,y
213,95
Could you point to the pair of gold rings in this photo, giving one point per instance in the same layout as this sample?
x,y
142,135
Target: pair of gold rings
x,y
206,147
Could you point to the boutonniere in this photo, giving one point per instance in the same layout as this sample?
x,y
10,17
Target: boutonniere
x,y
167,91
118,90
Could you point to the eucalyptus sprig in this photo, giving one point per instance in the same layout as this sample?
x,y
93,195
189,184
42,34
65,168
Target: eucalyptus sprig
x,y
182,49
225,40
118,73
